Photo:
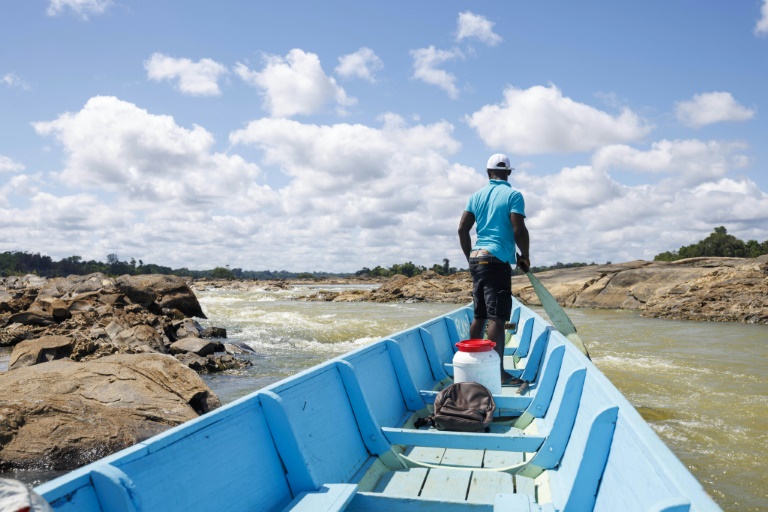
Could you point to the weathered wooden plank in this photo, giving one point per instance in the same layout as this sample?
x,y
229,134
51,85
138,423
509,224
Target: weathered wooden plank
x,y
446,484
485,485
407,483
525,485
430,455
464,458
497,459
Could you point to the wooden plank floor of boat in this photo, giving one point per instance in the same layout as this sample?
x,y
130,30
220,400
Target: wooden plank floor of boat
x,y
448,484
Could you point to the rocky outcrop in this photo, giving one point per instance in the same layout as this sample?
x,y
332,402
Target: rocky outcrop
x,y
710,289
101,316
63,414
93,369
713,289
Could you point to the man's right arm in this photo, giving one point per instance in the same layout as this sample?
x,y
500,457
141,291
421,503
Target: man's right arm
x,y
465,226
521,240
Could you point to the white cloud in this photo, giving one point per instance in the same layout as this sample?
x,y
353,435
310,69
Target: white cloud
x,y
13,80
82,8
474,26
582,214
425,68
541,120
761,27
360,195
694,161
114,145
199,78
295,85
8,165
364,63
711,107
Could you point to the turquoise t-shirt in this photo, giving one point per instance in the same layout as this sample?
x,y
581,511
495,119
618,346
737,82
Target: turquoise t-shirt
x,y
491,207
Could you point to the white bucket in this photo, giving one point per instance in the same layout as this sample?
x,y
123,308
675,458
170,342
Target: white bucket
x,y
477,361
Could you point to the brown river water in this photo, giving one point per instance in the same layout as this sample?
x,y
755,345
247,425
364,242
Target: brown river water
x,y
702,386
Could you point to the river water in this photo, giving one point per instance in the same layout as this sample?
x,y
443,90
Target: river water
x,y
703,387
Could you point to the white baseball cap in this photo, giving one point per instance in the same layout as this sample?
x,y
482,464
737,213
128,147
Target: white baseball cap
x,y
498,161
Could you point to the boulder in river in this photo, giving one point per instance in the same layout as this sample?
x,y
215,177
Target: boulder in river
x,y
63,414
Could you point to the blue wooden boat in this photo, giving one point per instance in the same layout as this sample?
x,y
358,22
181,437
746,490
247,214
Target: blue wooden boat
x,y
341,436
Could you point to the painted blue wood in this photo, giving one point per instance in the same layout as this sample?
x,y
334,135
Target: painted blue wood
x,y
565,416
435,362
453,333
415,355
545,388
583,494
673,505
374,502
72,492
287,442
410,392
320,416
515,502
115,490
378,379
524,337
514,318
370,429
462,318
444,344
536,355
329,498
513,441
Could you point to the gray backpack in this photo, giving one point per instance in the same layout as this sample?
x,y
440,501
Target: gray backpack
x,y
462,407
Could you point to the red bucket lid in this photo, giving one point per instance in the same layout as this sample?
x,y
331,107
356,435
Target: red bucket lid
x,y
475,345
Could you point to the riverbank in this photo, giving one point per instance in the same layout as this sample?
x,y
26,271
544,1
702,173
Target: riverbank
x,y
702,289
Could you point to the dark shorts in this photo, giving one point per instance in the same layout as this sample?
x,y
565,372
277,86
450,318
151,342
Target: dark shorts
x,y
492,288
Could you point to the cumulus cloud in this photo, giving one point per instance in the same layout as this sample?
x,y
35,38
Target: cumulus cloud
x,y
761,27
364,63
475,26
711,107
116,146
199,78
82,8
583,214
694,161
541,120
13,80
295,84
9,165
425,68
389,192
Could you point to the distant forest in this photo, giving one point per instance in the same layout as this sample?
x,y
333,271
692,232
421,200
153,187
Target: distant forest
x,y
21,263
719,243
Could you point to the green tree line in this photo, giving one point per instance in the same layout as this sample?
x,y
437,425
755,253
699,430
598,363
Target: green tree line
x,y
21,263
408,269
718,243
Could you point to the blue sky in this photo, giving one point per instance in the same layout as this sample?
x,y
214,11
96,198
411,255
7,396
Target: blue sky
x,y
335,135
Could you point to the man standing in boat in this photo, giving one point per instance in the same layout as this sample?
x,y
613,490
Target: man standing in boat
x,y
499,212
